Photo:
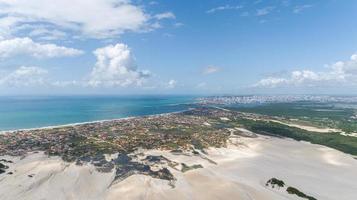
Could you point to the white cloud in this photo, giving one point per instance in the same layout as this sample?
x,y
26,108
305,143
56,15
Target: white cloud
x,y
270,82
24,76
63,84
47,34
165,15
221,8
178,24
210,70
94,18
300,8
265,11
116,66
171,84
26,46
354,57
153,3
156,25
339,73
201,85
6,25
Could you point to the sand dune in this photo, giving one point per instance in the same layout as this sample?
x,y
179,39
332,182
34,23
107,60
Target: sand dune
x,y
240,173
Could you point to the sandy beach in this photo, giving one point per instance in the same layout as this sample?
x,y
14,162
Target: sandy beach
x,y
241,172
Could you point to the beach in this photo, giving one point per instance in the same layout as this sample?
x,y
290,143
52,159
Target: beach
x,y
240,172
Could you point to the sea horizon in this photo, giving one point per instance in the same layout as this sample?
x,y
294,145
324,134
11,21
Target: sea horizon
x,y
37,112
18,112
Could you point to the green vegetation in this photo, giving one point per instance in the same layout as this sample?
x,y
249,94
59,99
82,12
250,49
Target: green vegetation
x,y
3,168
275,181
310,113
292,190
186,168
345,144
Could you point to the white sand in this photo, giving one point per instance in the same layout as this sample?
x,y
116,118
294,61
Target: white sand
x,y
308,128
316,129
52,179
241,173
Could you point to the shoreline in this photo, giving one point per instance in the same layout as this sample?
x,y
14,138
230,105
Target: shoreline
x,y
88,122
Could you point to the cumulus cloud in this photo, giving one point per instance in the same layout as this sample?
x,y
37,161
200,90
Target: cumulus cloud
x,y
26,46
24,76
341,72
116,66
265,11
210,70
103,18
222,8
165,15
171,84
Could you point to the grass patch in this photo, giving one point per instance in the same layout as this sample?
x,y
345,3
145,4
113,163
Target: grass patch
x,y
292,190
274,181
347,144
186,168
318,114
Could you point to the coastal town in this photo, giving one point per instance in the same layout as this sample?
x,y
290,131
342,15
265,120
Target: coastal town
x,y
189,132
261,99
160,147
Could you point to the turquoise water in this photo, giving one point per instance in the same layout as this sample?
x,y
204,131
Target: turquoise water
x,y
33,112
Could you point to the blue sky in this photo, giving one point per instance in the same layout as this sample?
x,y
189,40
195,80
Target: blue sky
x,y
178,47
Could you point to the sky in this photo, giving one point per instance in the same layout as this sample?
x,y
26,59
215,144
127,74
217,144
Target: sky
x,y
203,47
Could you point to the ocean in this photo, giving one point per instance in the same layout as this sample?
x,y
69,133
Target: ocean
x,y
23,112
